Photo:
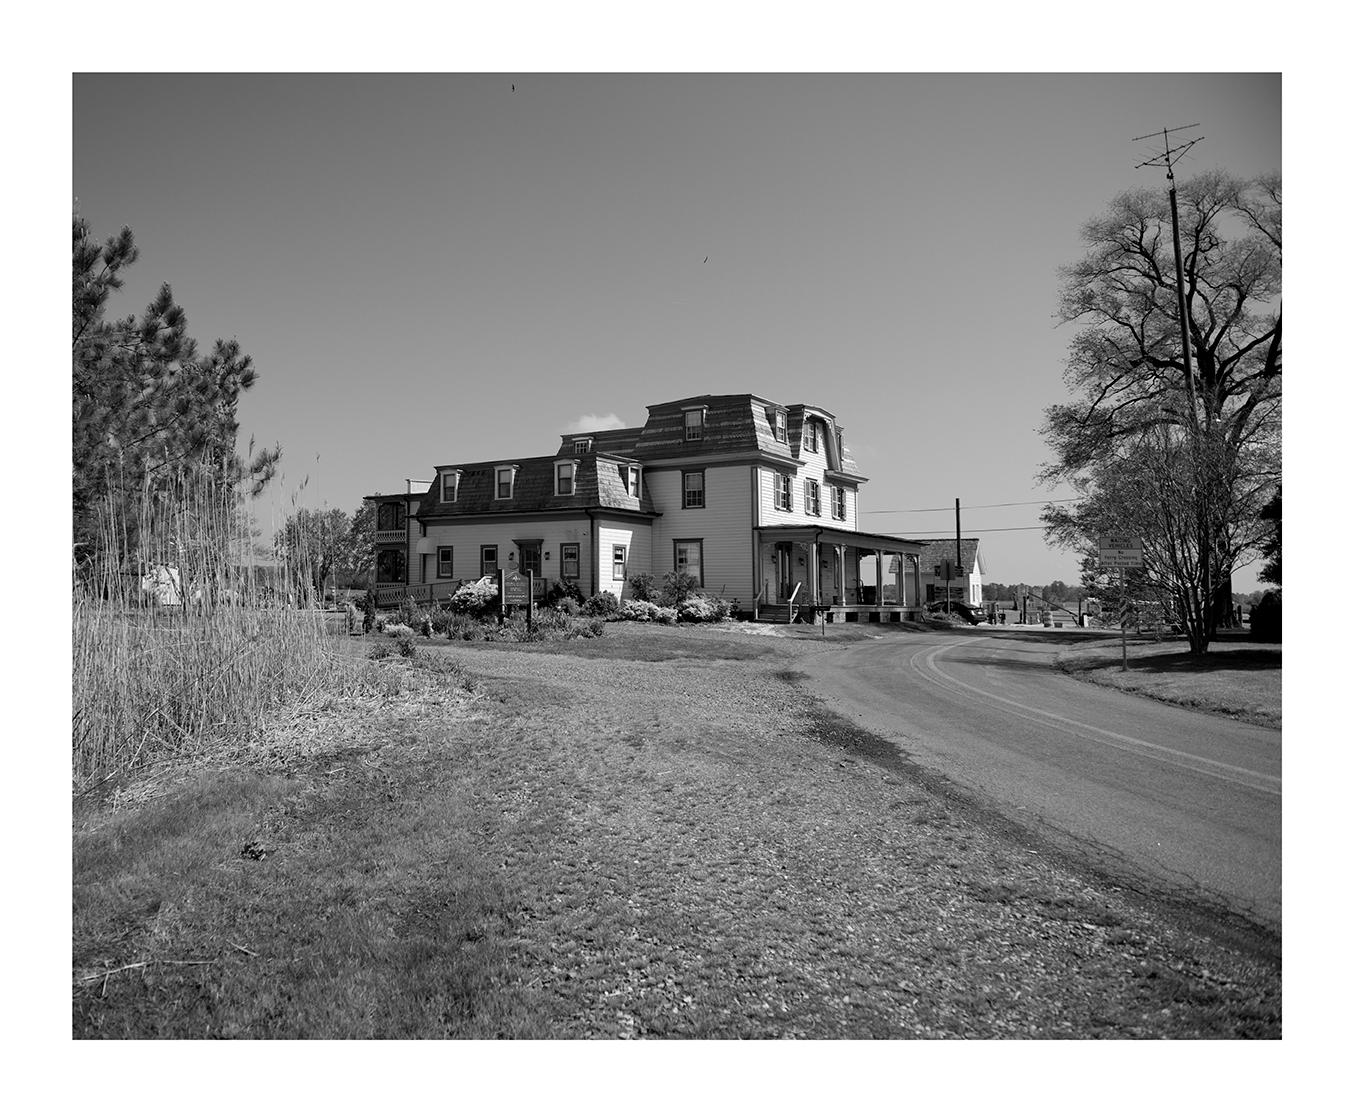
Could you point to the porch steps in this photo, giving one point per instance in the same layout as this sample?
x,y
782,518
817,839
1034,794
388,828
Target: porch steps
x,y
771,612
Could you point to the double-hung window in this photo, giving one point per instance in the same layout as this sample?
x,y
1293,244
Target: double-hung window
x,y
444,561
568,561
813,498
503,477
488,559
583,446
688,559
564,478
694,422
693,490
811,436
630,477
618,562
778,425
784,500
450,481
839,503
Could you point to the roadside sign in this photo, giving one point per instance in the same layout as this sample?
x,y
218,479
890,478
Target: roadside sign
x,y
516,589
1120,552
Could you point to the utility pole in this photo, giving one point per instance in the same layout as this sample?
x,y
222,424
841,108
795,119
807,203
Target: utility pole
x,y
958,545
1167,158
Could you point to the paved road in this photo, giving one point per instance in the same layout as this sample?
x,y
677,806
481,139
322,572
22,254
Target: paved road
x,y
1184,800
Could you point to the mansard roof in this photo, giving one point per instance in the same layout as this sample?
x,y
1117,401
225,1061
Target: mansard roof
x,y
597,485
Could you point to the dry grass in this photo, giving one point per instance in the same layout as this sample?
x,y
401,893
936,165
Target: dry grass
x,y
658,847
152,680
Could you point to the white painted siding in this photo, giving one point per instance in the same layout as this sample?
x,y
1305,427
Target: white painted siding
x,y
814,464
637,536
467,537
724,526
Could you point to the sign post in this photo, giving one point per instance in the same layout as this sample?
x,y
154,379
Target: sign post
x,y
1122,553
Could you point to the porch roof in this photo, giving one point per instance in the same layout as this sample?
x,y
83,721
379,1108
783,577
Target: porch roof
x,y
829,535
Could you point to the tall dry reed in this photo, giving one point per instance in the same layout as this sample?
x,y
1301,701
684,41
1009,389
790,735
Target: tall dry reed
x,y
184,637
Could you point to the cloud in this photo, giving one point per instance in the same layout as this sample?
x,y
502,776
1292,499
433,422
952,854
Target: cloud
x,y
590,422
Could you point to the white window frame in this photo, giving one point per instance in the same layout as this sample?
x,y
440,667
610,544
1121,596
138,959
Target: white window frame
x,y
783,486
810,435
697,428
487,548
630,475
687,504
677,546
780,426
499,472
561,468
618,561
839,503
451,552
564,560
813,498
582,445
455,485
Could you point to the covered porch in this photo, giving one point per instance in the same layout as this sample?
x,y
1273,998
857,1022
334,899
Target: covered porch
x,y
846,576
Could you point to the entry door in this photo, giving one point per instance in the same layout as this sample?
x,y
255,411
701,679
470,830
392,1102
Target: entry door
x,y
785,567
531,560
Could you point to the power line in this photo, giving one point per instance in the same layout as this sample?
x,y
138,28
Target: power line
x,y
970,529
988,506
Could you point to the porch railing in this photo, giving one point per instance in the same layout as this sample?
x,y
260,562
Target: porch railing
x,y
425,594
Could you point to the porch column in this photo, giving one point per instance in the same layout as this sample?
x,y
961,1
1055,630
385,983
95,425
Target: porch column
x,y
839,587
816,560
916,579
879,577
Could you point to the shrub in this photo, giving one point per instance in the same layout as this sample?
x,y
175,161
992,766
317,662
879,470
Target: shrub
x,y
667,615
425,627
380,650
600,605
350,611
477,599
678,586
409,613
596,627
405,644
368,611
398,629
1267,618
697,609
567,606
643,586
462,627
637,610
559,591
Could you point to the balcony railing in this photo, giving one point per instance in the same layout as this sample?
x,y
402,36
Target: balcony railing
x,y
391,536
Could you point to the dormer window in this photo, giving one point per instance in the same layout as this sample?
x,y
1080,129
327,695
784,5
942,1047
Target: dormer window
x,y
630,477
450,485
811,436
564,478
694,421
778,425
582,446
503,481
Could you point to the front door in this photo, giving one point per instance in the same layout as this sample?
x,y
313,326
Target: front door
x,y
531,559
785,566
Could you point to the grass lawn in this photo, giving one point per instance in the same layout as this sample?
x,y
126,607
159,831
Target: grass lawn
x,y
649,835
1237,677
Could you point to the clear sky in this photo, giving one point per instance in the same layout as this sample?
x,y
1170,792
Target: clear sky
x,y
431,269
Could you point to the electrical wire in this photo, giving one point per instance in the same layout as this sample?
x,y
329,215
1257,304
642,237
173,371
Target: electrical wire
x,y
988,506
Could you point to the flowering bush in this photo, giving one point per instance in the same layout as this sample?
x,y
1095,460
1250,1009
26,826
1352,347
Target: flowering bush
x,y
637,610
398,629
667,615
700,608
478,599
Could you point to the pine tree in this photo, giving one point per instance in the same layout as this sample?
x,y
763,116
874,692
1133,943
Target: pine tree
x,y
145,402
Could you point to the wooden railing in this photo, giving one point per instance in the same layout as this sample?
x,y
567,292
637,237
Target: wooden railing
x,y
793,595
425,594
390,536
